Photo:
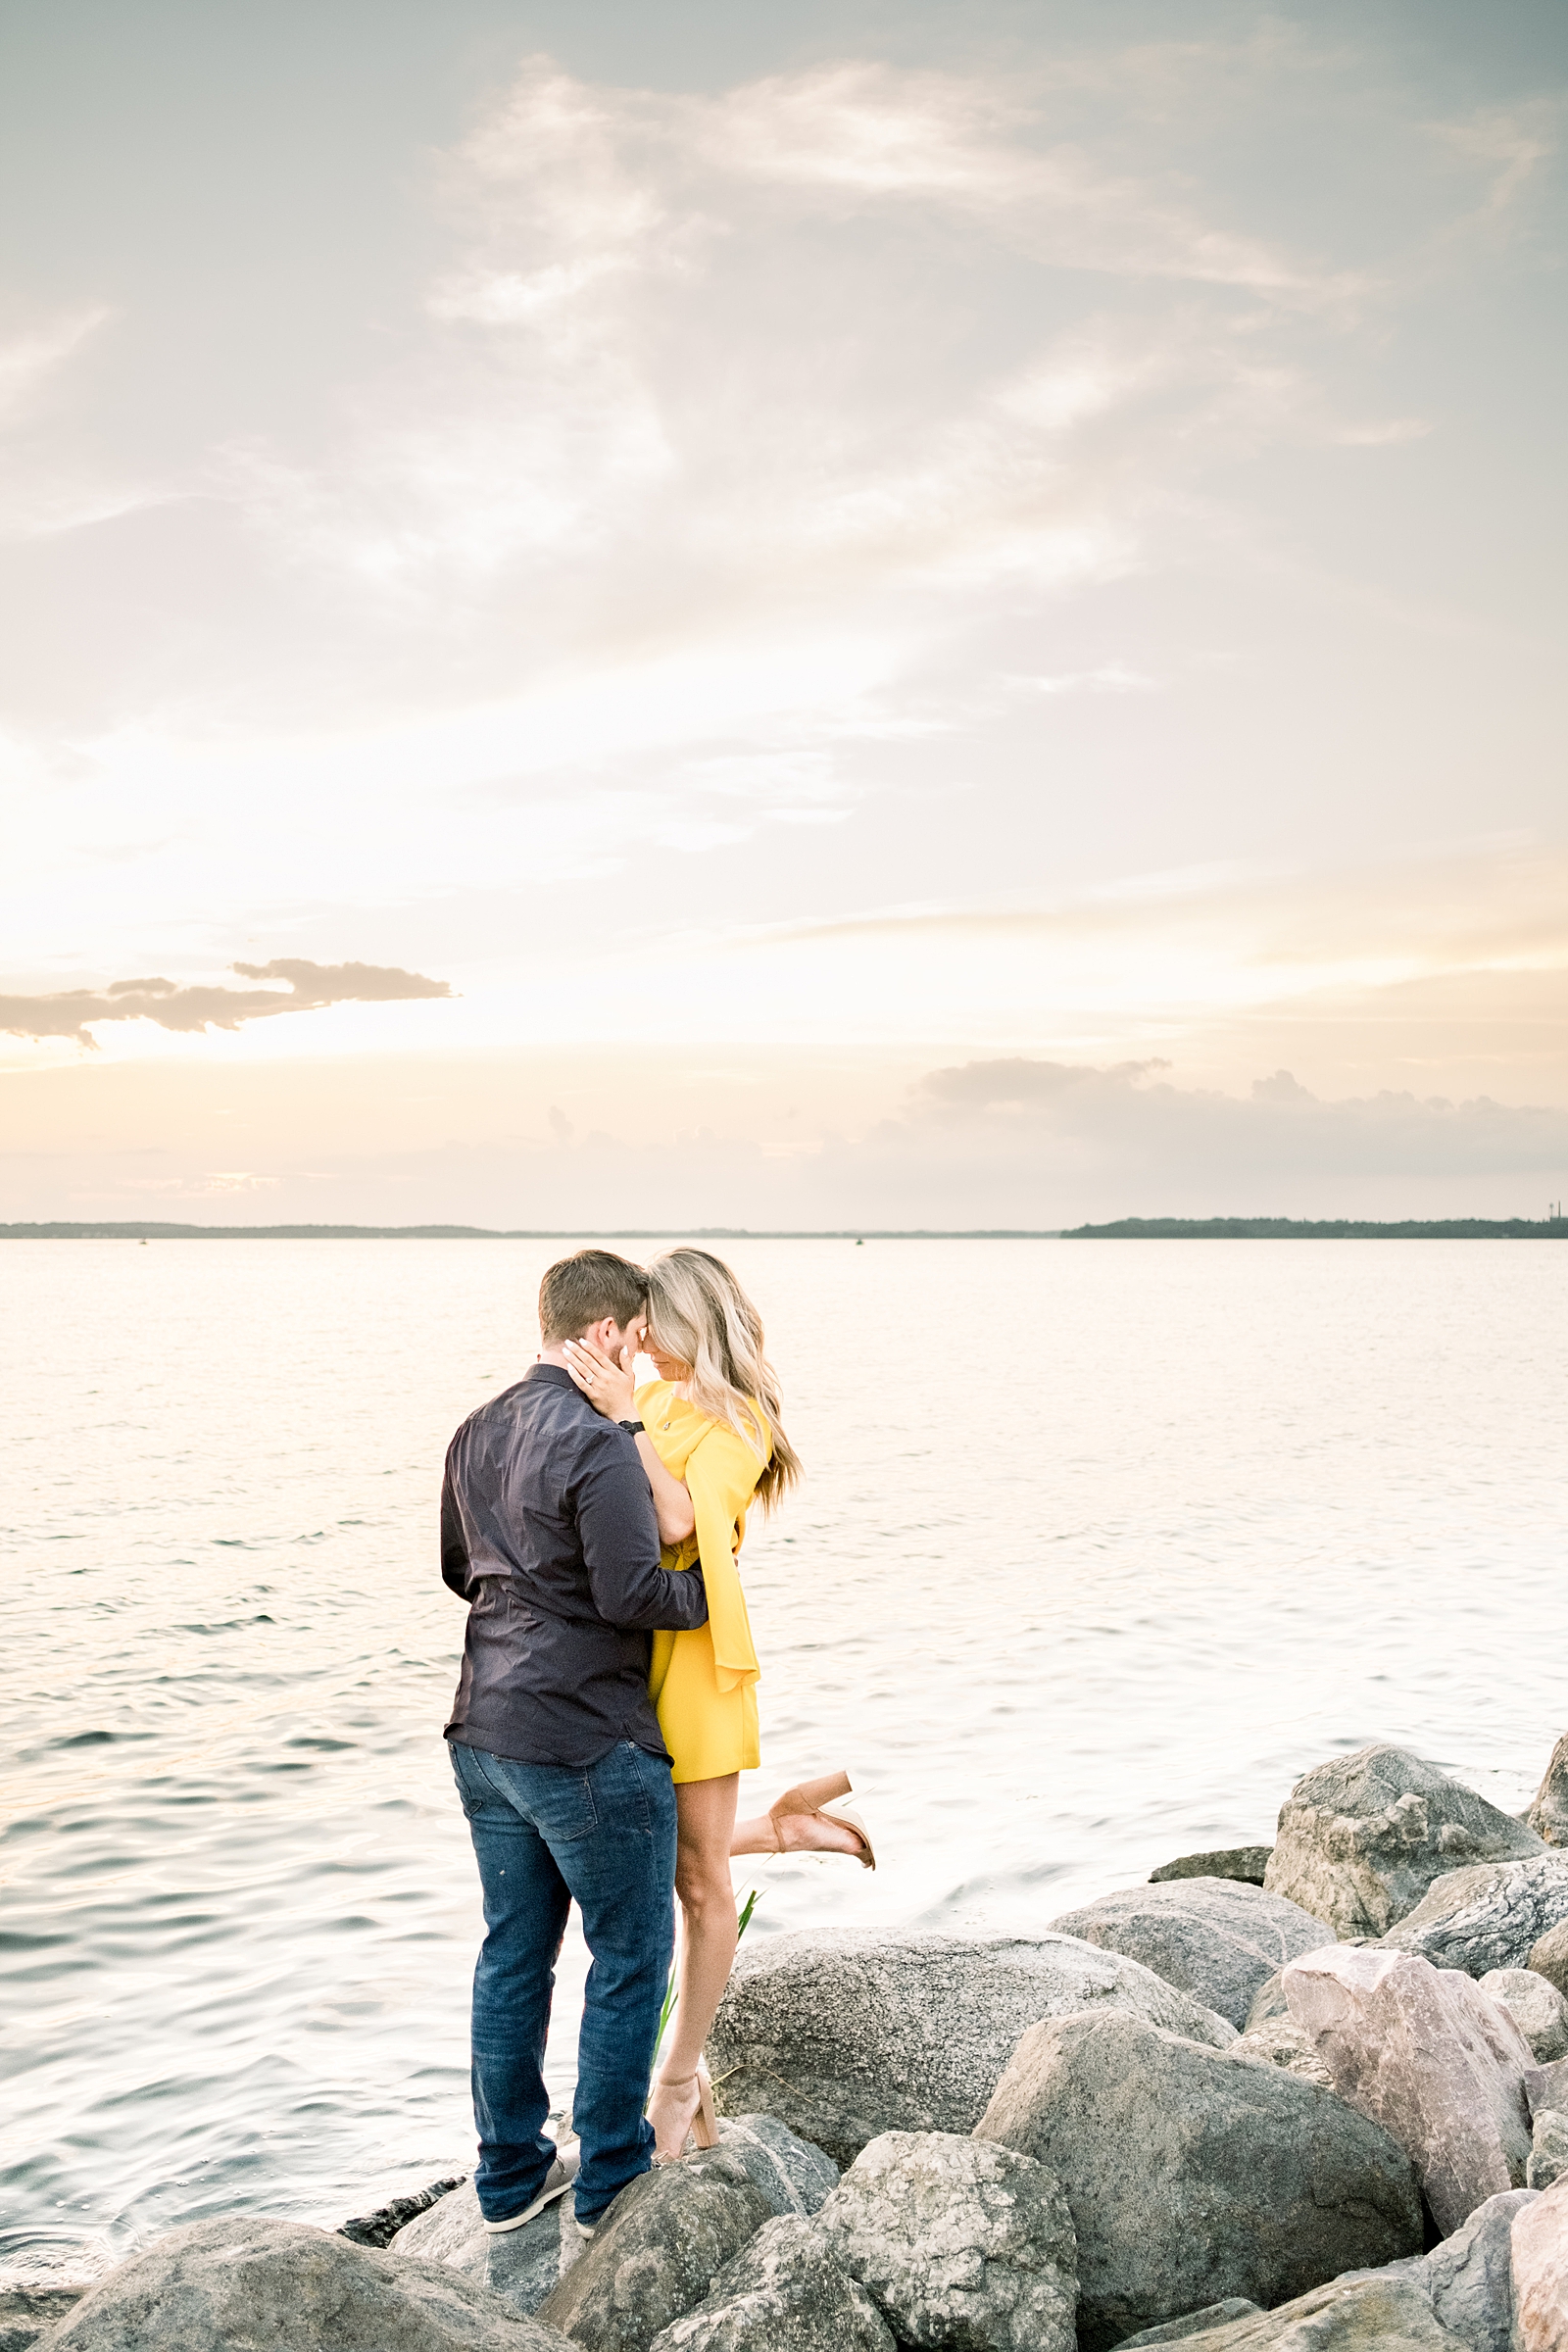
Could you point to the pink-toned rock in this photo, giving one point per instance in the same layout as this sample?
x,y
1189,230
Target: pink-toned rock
x,y
1539,2245
1428,2055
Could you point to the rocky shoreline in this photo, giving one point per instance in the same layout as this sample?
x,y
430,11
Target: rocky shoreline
x,y
1294,2098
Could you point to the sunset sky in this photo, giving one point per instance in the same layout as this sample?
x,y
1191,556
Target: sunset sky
x,y
715,614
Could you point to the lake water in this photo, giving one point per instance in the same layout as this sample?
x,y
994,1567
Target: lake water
x,y
1101,1545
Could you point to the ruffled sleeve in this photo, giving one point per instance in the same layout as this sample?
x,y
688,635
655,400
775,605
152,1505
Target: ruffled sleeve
x,y
721,1475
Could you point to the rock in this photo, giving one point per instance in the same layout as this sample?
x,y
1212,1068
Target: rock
x,y
657,2252
959,2242
784,2293
1212,2314
1362,1837
792,2175
845,2034
1245,1863
1359,2315
1548,1815
1549,1957
1469,2277
1546,2086
1548,2148
1211,1938
1192,2175
380,2227
1540,2250
1537,2008
27,2311
1283,2042
242,2285
1488,1916
520,2266
1425,2053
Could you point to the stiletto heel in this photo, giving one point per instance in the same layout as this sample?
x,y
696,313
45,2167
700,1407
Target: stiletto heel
x,y
815,1798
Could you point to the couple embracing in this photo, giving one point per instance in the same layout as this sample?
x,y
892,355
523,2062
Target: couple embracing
x,y
608,1704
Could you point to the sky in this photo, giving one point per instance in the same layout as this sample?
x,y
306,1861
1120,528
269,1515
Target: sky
x,y
906,616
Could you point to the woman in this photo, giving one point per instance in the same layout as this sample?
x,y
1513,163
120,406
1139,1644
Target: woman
x,y
713,1442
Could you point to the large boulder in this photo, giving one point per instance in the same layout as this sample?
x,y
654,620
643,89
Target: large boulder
x,y
657,2252
1469,2277
26,2312
1548,1957
1548,1815
1536,2006
1192,2175
791,2174
1350,2315
1283,2043
783,2292
241,2285
520,2266
1548,2148
1215,1938
1248,1863
1194,2322
1540,2236
1425,2053
1489,1915
1362,1837
380,2227
961,2243
848,2035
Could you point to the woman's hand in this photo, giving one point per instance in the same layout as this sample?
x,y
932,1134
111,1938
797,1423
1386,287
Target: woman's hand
x,y
607,1383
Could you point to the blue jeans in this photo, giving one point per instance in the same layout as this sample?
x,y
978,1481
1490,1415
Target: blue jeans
x,y
547,1835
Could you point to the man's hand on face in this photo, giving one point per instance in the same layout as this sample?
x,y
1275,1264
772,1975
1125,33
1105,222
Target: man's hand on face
x,y
604,1380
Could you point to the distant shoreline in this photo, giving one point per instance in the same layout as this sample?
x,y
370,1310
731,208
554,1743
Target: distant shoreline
x,y
1126,1229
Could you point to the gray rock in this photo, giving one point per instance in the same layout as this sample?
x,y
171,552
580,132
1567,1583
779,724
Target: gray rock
x,y
1362,1837
1247,1863
380,2227
27,2311
783,2292
1487,1916
1469,2277
1548,1808
1548,2148
520,2266
1212,2314
791,2174
657,2252
1549,1957
1283,2042
1546,2086
1359,2315
848,2033
1214,1939
1192,2175
1537,2008
1268,2003
1540,2248
961,2243
242,2285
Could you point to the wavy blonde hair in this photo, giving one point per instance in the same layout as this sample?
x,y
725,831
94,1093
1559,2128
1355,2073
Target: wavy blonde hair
x,y
699,1313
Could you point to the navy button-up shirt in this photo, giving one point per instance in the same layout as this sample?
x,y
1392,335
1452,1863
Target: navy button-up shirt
x,y
547,1533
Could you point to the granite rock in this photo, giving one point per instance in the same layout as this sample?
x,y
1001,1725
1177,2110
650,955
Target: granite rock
x,y
1363,1836
1548,2148
1214,1939
785,2291
380,2227
1548,1815
657,2252
961,2243
1425,2053
1469,2277
520,2266
25,2312
1546,2086
1548,1957
792,2175
1489,1915
845,2034
1245,1863
243,2284
1356,2315
1283,2042
1192,2175
1212,2314
1540,2248
1537,2008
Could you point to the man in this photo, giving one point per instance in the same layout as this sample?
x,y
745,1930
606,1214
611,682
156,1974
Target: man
x,y
549,1532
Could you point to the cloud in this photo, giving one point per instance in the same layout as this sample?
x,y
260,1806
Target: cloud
x,y
309,987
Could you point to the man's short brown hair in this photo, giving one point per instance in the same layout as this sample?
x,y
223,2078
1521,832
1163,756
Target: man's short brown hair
x,y
582,1290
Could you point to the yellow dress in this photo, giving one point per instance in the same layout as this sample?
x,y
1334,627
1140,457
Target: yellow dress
x,y
703,1684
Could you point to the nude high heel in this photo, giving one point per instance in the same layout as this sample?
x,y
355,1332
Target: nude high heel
x,y
704,2126
815,1797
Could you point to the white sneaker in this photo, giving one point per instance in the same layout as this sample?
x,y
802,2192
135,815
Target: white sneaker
x,y
560,2178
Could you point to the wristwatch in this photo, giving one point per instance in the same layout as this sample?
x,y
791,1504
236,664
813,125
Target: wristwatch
x,y
633,1429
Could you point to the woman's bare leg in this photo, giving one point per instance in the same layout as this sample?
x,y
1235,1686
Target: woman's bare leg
x,y
705,1813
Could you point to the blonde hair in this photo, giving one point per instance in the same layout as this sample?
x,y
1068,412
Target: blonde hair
x,y
699,1313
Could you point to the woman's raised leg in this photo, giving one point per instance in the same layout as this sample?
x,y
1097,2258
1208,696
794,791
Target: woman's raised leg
x,y
705,1820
